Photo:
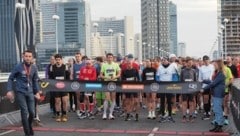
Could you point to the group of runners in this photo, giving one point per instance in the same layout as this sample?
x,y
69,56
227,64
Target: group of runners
x,y
160,106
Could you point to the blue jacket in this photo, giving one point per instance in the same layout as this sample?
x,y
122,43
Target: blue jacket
x,y
21,85
217,85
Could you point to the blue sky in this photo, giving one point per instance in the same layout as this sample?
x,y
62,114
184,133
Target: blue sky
x,y
197,20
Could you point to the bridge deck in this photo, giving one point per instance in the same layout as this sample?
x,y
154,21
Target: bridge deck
x,y
117,127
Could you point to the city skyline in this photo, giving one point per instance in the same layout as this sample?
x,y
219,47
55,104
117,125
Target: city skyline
x,y
194,18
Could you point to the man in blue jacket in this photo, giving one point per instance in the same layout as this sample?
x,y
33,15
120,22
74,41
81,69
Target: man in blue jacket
x,y
26,89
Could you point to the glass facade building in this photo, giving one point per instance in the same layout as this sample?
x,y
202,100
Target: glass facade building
x,y
10,33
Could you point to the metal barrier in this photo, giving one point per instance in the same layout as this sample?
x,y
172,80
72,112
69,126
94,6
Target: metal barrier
x,y
235,103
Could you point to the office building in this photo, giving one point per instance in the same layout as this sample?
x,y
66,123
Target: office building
x,y
73,26
38,26
182,49
100,45
12,40
173,28
230,9
155,26
118,26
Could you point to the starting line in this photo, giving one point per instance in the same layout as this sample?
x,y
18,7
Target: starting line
x,y
119,131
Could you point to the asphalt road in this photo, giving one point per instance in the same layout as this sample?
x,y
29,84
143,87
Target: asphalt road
x,y
117,127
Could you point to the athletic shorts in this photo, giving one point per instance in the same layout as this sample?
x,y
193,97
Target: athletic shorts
x,y
188,97
129,95
207,92
59,94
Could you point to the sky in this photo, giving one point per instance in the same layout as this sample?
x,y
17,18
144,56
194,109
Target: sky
x,y
197,20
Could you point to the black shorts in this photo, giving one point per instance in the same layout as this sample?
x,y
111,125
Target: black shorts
x,y
188,97
59,94
130,95
207,92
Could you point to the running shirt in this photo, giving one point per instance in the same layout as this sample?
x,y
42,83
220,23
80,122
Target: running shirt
x,y
110,70
228,77
88,73
149,74
238,70
76,70
130,75
188,75
205,73
58,73
165,72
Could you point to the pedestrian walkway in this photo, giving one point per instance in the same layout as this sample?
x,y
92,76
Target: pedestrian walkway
x,y
117,127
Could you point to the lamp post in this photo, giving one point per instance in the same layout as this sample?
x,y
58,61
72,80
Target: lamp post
x,y
111,34
225,35
56,18
95,25
122,44
153,51
144,53
149,48
21,7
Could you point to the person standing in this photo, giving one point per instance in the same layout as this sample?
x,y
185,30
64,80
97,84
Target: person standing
x,y
27,88
130,74
188,74
205,73
88,73
149,74
52,99
164,74
110,71
59,71
74,75
218,92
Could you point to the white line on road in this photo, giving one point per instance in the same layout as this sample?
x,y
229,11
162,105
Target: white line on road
x,y
154,130
7,132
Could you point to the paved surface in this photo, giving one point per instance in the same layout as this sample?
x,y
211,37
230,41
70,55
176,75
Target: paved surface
x,y
117,127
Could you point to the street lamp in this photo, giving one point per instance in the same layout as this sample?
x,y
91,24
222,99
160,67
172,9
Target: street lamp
x,y
153,51
149,50
21,7
122,44
56,18
144,53
225,36
111,33
95,25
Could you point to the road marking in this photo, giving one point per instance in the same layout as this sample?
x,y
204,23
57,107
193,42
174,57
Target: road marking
x,y
7,132
153,131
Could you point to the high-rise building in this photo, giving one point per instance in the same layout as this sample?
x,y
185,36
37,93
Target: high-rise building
x,y
230,9
73,26
182,49
38,26
12,40
173,28
118,26
155,26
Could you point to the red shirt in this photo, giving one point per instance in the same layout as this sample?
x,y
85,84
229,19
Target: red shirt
x,y
238,70
88,73
134,65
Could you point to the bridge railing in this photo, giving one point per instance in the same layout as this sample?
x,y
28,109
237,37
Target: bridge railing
x,y
235,103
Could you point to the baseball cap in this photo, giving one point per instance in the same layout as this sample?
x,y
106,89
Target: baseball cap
x,y
130,56
205,57
172,56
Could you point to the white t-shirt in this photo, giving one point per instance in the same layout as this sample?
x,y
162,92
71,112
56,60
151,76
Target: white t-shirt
x,y
206,73
165,74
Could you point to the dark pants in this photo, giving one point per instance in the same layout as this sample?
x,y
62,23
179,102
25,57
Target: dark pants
x,y
169,103
52,102
26,105
73,100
